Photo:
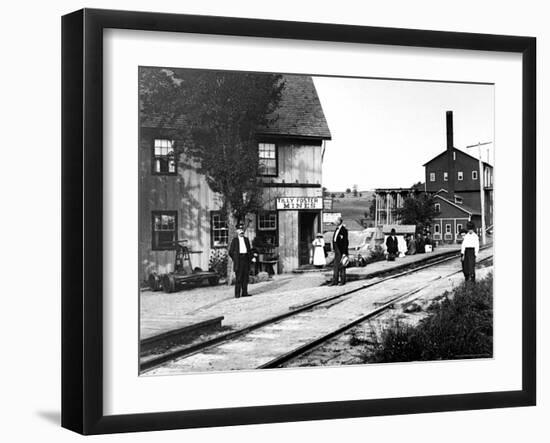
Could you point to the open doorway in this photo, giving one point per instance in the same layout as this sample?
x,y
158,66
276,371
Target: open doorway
x,y
307,223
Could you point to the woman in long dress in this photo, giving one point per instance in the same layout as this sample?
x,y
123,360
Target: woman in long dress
x,y
469,251
319,251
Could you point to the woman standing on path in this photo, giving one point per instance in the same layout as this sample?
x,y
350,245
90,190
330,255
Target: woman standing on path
x,y
469,251
319,251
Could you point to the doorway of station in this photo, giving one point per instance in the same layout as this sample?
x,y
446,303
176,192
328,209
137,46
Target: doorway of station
x,y
308,224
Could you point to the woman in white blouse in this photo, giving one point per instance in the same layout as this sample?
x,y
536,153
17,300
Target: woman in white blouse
x,y
469,251
319,251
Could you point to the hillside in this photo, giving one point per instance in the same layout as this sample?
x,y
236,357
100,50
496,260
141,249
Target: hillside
x,y
352,208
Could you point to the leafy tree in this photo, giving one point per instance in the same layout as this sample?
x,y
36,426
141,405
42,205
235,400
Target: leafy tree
x,y
418,187
355,190
348,190
418,209
221,113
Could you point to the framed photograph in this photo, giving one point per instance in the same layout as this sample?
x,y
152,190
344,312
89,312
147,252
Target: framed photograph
x,y
269,221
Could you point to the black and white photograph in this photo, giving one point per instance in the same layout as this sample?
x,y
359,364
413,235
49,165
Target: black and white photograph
x,y
291,221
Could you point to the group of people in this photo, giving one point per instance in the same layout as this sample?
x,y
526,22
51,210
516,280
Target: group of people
x,y
423,243
242,254
340,244
417,245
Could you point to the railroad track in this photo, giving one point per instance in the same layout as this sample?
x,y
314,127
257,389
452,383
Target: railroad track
x,y
262,345
317,342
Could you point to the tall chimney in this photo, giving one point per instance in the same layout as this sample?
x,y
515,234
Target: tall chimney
x,y
450,157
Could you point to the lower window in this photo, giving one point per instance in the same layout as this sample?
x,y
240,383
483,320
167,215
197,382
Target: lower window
x,y
218,230
165,230
267,233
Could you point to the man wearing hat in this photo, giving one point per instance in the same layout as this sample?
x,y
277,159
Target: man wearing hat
x,y
391,245
241,254
340,247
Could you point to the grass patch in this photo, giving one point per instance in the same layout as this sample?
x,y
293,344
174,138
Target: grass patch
x,y
459,326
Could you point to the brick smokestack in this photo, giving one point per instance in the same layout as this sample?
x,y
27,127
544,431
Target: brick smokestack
x,y
450,157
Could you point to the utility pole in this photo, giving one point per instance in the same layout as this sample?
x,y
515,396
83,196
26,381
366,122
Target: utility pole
x,y
481,189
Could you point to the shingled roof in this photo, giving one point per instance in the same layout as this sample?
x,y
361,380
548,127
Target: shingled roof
x,y
299,113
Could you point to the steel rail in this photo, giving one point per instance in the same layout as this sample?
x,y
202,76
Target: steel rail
x,y
299,351
199,347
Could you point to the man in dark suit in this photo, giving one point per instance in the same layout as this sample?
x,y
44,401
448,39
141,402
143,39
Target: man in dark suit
x,y
391,246
241,254
340,247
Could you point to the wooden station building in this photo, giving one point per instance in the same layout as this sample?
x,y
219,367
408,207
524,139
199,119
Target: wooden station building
x,y
176,203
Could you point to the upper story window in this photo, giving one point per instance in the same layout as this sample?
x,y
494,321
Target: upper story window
x,y
458,200
474,175
218,229
432,176
437,207
164,158
165,230
267,153
446,176
460,175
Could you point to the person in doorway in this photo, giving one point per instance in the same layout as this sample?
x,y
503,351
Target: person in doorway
x,y
469,251
340,246
319,251
241,254
391,246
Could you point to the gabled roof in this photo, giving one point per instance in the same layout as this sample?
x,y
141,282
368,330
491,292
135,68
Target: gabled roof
x,y
299,113
463,208
457,150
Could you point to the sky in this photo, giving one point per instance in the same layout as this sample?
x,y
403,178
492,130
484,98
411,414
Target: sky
x,y
383,131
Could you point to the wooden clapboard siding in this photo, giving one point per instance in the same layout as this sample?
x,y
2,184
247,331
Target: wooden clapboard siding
x,y
288,240
288,224
188,194
299,162
270,194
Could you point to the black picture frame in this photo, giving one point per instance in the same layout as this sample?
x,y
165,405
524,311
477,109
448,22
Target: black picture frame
x,y
82,215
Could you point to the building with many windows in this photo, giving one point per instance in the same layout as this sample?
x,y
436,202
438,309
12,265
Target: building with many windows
x,y
176,203
455,178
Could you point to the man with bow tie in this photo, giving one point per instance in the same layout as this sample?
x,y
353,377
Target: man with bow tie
x,y
241,254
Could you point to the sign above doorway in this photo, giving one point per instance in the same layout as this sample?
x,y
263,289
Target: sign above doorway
x,y
299,203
